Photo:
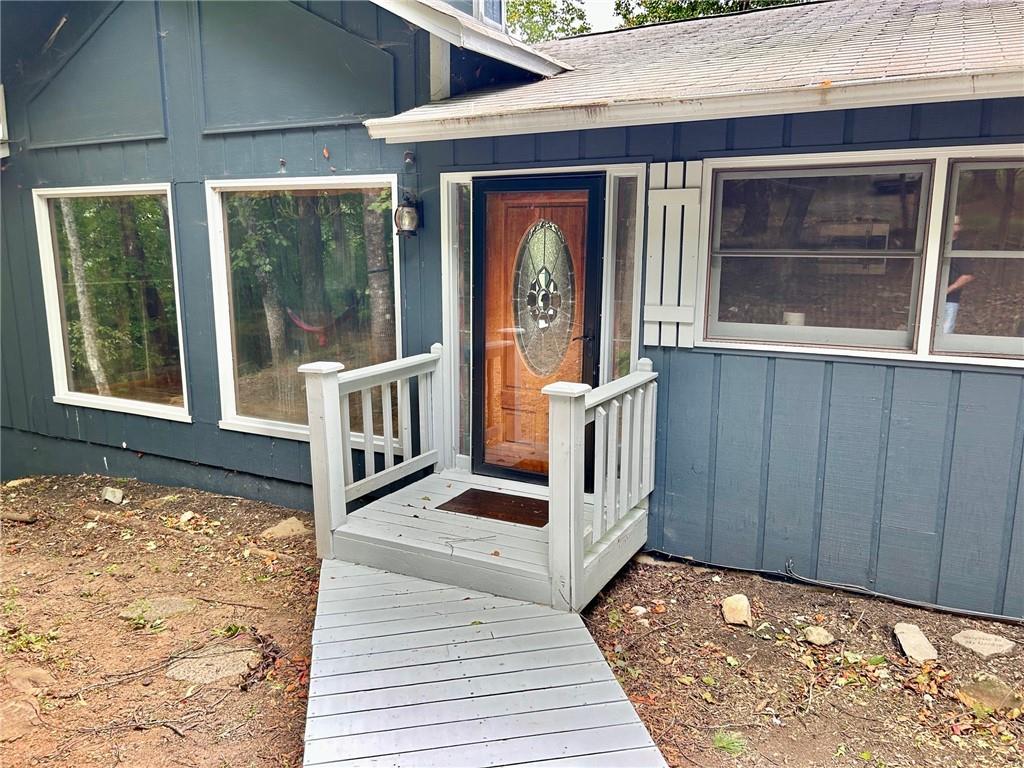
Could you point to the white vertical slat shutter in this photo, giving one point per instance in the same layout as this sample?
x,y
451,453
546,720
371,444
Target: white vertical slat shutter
x,y
673,226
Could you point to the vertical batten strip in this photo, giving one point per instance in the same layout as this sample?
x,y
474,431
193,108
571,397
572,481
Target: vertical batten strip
x,y
600,447
386,414
655,253
673,253
369,462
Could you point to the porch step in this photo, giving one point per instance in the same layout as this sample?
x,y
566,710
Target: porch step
x,y
406,533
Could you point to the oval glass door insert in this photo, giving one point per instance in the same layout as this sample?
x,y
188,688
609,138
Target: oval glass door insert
x,y
544,298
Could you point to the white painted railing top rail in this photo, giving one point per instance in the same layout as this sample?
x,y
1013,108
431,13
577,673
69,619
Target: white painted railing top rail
x,y
384,389
621,453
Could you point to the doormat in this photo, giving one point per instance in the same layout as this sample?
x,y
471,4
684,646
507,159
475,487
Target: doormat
x,y
499,506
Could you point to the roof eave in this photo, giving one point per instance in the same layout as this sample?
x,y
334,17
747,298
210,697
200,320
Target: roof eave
x,y
447,27
408,127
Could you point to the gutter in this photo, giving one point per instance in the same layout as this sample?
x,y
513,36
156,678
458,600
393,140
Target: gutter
x,y
418,125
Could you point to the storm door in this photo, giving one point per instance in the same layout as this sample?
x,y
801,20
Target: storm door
x,y
536,303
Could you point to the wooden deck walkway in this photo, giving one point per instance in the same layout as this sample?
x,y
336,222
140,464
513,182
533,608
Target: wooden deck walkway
x,y
408,672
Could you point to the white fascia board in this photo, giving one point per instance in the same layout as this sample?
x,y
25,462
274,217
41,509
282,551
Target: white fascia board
x,y
409,127
449,28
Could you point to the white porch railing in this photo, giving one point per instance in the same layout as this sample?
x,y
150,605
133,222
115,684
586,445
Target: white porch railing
x,y
328,391
622,453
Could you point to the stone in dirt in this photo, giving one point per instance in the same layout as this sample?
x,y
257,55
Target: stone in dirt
x,y
285,529
985,645
19,481
989,691
113,495
153,608
736,610
212,664
914,644
818,636
30,680
18,716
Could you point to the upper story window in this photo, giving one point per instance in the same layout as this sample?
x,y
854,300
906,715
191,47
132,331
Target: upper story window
x,y
303,272
107,259
821,255
980,303
492,11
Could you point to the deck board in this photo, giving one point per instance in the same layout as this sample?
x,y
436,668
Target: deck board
x,y
435,675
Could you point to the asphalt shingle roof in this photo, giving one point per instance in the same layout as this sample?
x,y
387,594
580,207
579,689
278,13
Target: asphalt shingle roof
x,y
821,46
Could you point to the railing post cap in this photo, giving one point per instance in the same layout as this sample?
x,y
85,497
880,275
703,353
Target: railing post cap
x,y
436,348
644,364
566,389
322,368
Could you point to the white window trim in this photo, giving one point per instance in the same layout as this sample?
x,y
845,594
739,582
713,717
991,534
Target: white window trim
x,y
922,350
221,283
479,15
52,302
450,288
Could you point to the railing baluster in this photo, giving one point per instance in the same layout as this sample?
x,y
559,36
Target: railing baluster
x,y
626,447
346,440
369,462
426,412
388,428
612,467
405,419
637,448
649,407
600,437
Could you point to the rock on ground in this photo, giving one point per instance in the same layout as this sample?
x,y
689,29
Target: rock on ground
x,y
991,692
914,644
19,481
212,664
287,528
818,636
30,680
160,607
986,645
736,610
113,495
19,716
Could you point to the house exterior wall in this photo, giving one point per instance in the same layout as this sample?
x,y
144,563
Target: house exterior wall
x,y
181,138
900,477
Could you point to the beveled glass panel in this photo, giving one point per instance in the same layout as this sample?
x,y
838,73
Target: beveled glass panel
x,y
118,305
625,225
544,296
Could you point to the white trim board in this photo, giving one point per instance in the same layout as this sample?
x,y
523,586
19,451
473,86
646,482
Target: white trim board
x,y
922,350
427,124
221,287
63,394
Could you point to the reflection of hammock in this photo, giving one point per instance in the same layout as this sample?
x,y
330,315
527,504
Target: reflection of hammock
x,y
319,330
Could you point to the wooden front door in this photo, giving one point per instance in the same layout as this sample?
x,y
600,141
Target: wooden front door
x,y
536,283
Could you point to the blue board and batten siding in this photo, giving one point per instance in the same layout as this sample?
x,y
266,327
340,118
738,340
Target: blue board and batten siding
x,y
900,477
182,92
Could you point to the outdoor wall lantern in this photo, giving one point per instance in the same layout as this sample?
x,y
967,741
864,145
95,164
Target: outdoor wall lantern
x,y
407,217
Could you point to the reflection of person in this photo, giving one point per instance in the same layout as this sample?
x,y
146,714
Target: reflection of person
x,y
959,276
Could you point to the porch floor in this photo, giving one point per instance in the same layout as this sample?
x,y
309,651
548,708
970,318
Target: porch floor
x,y
407,533
409,672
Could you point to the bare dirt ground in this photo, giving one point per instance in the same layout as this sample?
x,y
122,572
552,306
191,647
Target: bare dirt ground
x,y
713,694
84,666
88,687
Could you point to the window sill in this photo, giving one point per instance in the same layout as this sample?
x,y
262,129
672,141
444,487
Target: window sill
x,y
908,356
284,430
122,405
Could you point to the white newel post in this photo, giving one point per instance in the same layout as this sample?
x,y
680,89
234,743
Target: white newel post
x,y
566,428
438,418
325,451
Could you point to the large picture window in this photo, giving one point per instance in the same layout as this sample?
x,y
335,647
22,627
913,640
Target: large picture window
x,y
980,306
823,255
112,307
309,274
